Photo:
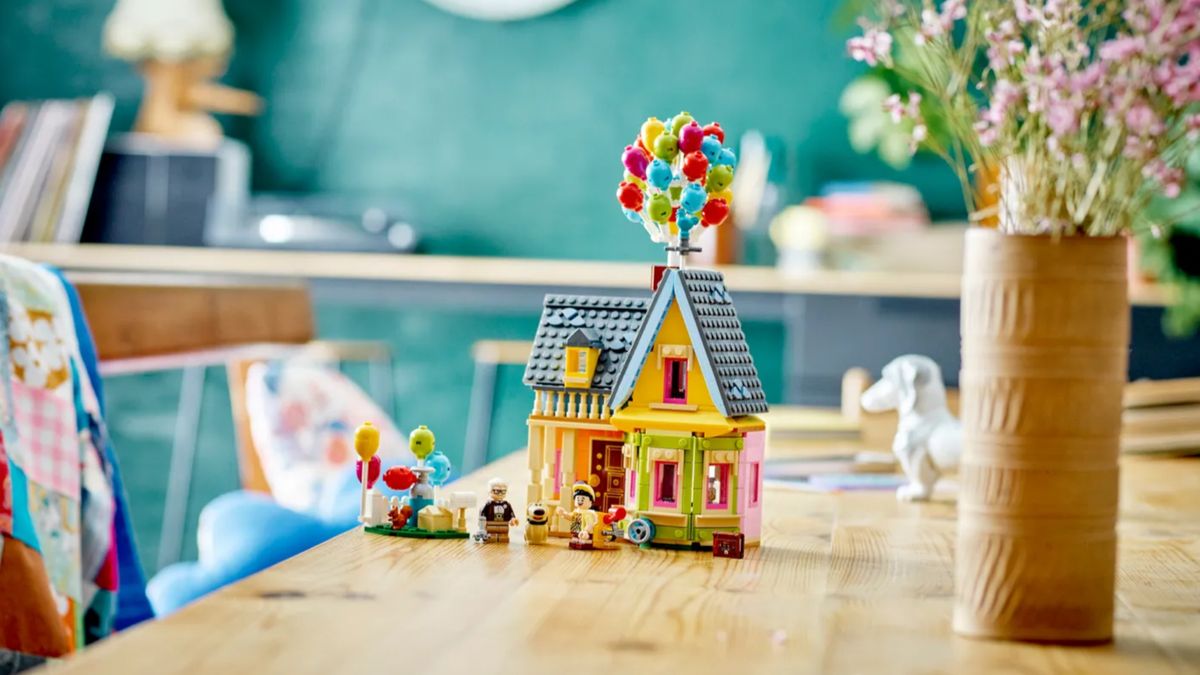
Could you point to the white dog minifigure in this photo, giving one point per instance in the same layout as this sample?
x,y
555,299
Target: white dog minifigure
x,y
928,438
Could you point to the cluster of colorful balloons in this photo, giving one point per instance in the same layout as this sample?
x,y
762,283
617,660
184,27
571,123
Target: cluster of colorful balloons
x,y
677,176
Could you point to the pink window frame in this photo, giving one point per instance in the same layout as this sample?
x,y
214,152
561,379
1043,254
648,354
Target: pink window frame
x,y
668,379
725,470
755,483
632,480
656,493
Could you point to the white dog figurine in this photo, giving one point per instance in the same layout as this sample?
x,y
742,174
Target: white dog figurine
x,y
928,439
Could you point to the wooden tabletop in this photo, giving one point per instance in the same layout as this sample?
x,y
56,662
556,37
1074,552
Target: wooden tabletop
x,y
565,274
854,583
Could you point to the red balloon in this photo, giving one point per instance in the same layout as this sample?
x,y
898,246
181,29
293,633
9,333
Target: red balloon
x,y
714,129
630,196
638,142
399,478
674,212
615,515
695,166
714,212
372,470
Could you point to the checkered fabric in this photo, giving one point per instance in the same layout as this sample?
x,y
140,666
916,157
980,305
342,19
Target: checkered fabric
x,y
47,439
6,501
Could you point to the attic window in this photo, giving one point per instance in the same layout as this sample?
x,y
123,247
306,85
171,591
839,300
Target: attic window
x,y
581,354
675,372
577,361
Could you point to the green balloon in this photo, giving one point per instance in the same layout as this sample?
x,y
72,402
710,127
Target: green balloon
x,y
675,191
719,178
680,121
666,146
659,208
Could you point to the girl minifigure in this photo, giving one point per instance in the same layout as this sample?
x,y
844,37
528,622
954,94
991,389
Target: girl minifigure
x,y
583,518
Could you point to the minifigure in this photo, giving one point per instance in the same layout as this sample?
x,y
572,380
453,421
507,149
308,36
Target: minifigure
x,y
497,514
537,519
583,518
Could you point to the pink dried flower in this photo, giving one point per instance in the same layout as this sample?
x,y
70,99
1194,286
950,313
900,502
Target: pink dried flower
x,y
1137,148
1025,13
894,107
1169,177
1062,116
919,133
872,47
988,133
898,109
1142,120
1192,122
1088,79
1004,45
935,23
1122,48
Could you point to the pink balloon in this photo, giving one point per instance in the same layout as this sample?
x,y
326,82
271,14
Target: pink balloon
x,y
690,137
373,470
635,160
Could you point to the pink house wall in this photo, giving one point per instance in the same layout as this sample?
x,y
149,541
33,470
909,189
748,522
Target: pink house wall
x,y
750,484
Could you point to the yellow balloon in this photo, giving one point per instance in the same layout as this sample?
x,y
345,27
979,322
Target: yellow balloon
x,y
651,129
725,194
366,441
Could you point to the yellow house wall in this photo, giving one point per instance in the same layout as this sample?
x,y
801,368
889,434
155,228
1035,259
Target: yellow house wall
x,y
649,387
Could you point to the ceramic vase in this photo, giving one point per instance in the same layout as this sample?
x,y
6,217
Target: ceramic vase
x,y
1045,334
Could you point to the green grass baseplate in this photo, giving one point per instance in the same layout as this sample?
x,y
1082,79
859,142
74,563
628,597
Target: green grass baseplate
x,y
416,532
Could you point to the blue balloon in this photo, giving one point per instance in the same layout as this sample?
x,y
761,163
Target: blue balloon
x,y
711,148
633,216
659,174
693,197
441,466
727,158
686,221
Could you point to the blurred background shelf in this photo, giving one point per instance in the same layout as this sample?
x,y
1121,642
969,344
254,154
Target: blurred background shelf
x,y
318,267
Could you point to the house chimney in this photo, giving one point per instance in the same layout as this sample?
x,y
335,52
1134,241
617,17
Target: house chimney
x,y
656,276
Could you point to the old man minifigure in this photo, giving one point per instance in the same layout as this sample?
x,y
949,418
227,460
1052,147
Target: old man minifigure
x,y
497,514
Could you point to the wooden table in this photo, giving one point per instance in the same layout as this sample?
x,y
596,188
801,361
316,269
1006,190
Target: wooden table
x,y
852,583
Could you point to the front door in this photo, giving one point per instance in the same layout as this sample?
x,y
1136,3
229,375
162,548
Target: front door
x,y
608,469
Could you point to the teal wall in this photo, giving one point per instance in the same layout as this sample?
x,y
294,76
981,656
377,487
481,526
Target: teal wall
x,y
504,139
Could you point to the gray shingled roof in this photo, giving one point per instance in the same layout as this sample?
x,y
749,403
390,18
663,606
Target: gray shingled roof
x,y
614,321
725,342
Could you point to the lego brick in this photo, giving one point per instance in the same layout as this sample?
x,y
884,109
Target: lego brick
x,y
718,521
728,545
416,533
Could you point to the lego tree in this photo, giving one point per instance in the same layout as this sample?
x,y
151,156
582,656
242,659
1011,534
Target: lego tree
x,y
677,176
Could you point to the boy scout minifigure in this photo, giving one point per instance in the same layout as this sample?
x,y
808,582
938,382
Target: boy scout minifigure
x,y
497,514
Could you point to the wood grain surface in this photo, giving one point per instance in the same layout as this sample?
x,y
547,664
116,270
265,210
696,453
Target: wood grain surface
x,y
853,583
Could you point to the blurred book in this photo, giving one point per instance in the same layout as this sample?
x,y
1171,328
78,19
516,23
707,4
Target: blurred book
x,y
1162,417
868,208
49,151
